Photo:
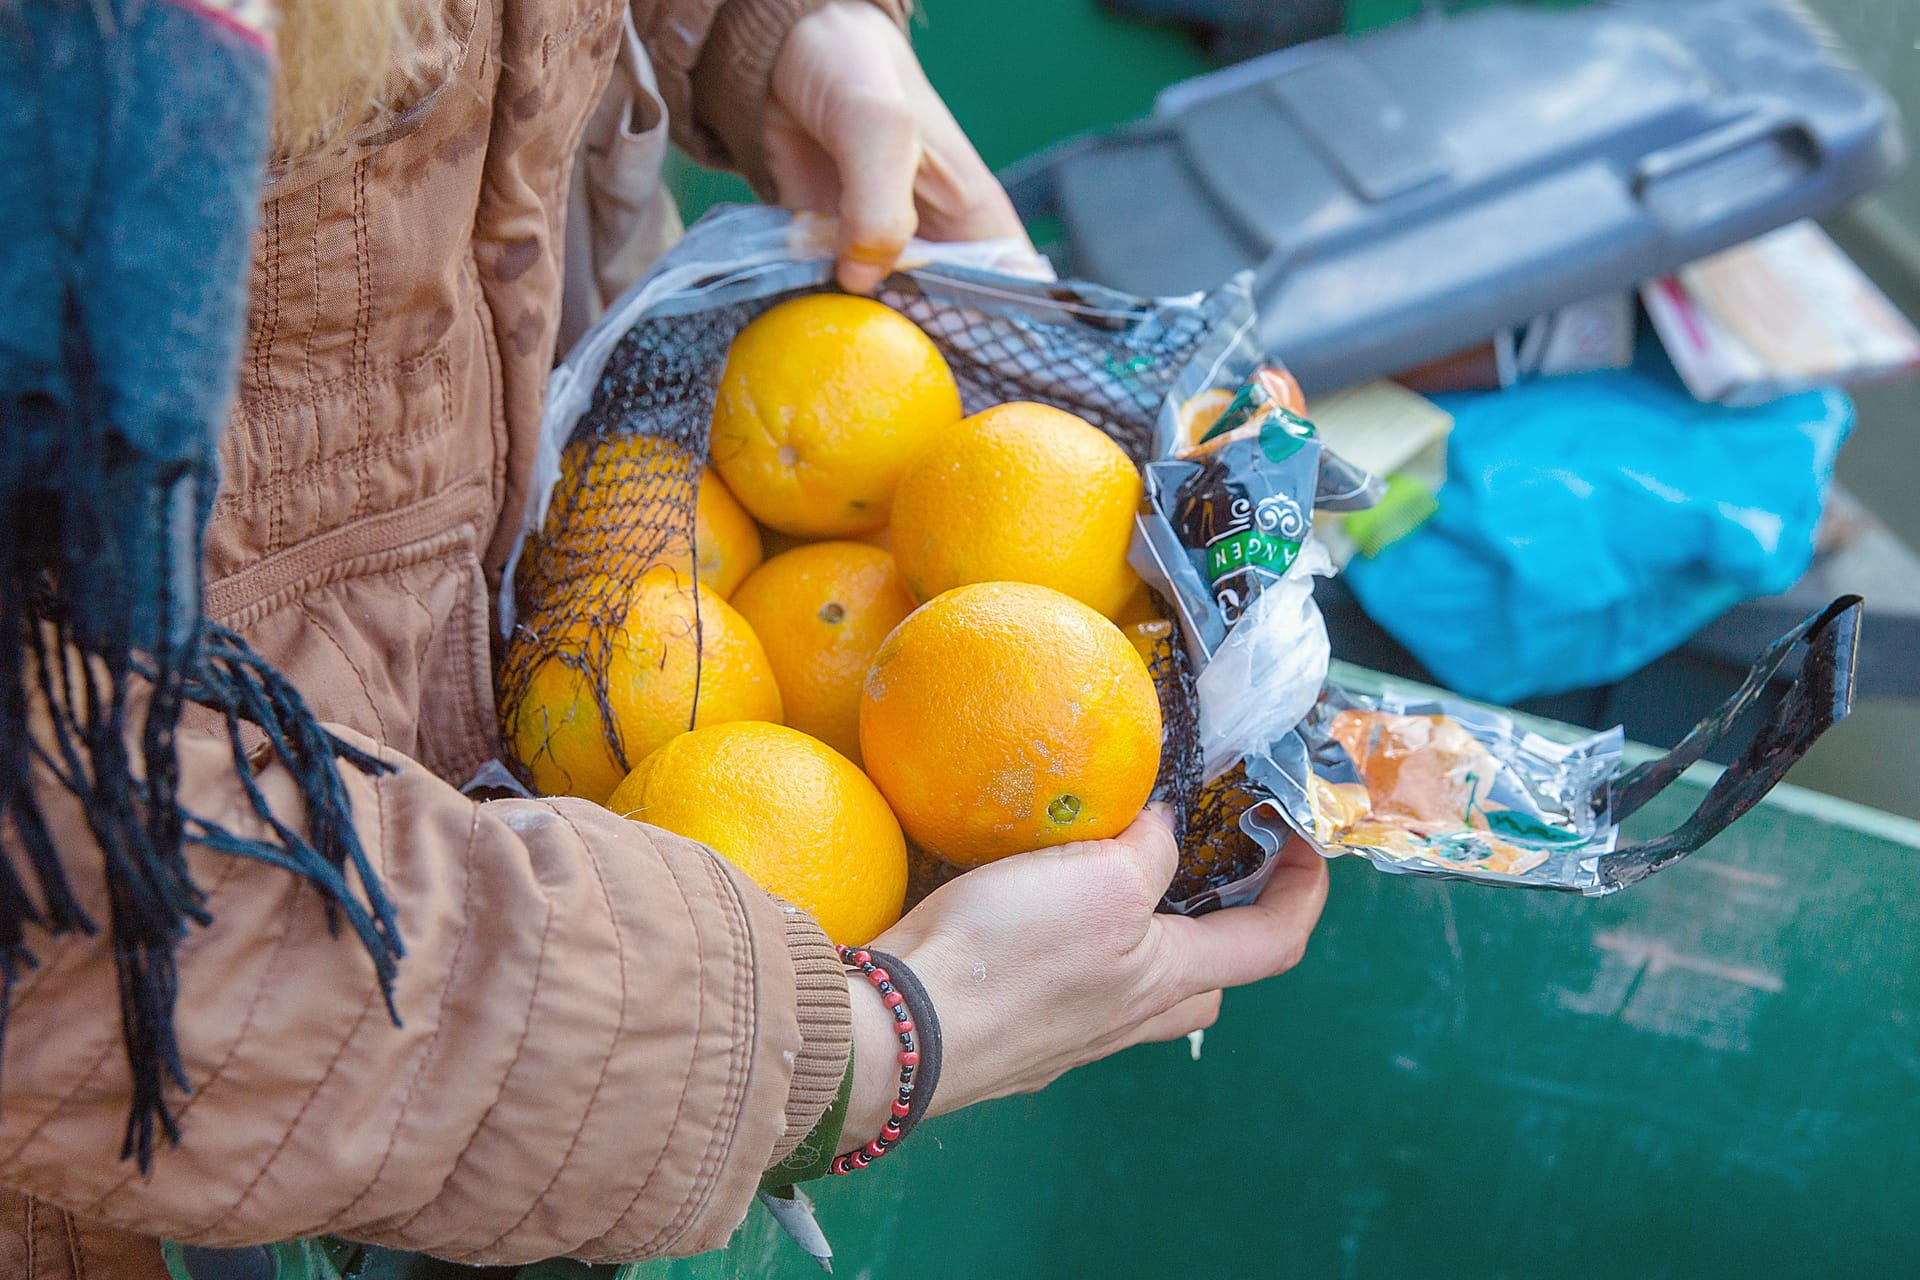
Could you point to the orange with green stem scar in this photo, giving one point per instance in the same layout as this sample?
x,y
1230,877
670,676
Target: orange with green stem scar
x,y
1002,717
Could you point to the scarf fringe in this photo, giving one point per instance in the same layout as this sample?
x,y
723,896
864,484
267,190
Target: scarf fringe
x,y
142,828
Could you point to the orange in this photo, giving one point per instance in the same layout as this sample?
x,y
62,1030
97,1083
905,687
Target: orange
x,y
726,541
777,543
1020,493
791,812
1199,414
1149,638
821,611
1137,607
1002,717
615,501
652,661
823,403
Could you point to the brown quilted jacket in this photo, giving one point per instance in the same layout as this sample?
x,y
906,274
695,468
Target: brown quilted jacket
x,y
608,1032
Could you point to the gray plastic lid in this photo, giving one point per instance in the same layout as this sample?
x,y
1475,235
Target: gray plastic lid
x,y
1407,194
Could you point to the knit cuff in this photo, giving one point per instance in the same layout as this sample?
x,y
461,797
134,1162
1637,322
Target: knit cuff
x,y
734,78
826,1026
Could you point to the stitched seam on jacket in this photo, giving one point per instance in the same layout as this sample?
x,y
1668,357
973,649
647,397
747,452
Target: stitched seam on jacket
x,y
496,402
326,633
733,1095
270,300
333,1064
458,668
555,40
733,1101
98,1209
40,979
271,399
469,668
318,290
433,623
362,322
374,564
73,1246
284,481
398,538
66,1099
79,1086
478,726
345,1216
620,952
319,282
500,1091
263,350
699,1026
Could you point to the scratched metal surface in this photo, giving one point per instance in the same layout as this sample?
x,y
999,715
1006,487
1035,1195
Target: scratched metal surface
x,y
1714,1074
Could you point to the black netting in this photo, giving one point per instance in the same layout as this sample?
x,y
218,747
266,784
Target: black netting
x,y
1216,852
1115,375
631,466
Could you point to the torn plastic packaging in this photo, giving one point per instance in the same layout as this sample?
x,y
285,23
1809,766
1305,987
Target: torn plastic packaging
x,y
1225,535
1416,784
1536,813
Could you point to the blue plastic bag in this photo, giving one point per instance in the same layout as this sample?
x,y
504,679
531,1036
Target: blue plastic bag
x,y
1590,524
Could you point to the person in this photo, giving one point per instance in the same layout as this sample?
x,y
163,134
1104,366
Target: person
x,y
579,1036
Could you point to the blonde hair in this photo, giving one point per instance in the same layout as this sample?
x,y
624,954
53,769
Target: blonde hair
x,y
341,65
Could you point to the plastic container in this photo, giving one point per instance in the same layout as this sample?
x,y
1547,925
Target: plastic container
x,y
1409,193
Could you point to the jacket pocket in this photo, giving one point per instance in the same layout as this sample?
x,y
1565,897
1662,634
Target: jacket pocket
x,y
383,627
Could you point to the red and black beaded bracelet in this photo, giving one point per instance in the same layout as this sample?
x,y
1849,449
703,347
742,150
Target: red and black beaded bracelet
x,y
906,997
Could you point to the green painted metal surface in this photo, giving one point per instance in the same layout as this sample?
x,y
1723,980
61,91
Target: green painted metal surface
x,y
1714,1074
1369,15
1017,75
1020,75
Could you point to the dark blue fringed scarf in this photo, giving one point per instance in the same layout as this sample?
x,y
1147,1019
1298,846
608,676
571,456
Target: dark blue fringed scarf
x,y
131,139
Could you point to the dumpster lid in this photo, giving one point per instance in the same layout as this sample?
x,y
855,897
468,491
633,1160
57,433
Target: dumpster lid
x,y
1406,194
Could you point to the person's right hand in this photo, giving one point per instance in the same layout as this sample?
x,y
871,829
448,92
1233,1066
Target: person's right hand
x,y
853,129
1042,962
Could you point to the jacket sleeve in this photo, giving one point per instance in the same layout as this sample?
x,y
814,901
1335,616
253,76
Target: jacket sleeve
x,y
714,59
609,1033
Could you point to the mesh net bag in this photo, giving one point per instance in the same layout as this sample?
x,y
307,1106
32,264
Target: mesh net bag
x,y
625,438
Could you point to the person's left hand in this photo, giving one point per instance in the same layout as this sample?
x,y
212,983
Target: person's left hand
x,y
854,129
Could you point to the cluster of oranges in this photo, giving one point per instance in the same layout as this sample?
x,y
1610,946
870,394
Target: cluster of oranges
x,y
934,651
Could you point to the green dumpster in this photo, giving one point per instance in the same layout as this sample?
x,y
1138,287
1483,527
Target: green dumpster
x,y
1713,1074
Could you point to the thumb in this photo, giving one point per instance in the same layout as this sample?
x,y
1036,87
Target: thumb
x,y
879,160
1151,843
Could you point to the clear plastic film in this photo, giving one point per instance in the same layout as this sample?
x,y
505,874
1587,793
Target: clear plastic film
x,y
1425,785
1420,784
1416,783
1226,536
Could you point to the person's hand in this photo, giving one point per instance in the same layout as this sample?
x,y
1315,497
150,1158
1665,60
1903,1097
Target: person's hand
x,y
1042,962
853,129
